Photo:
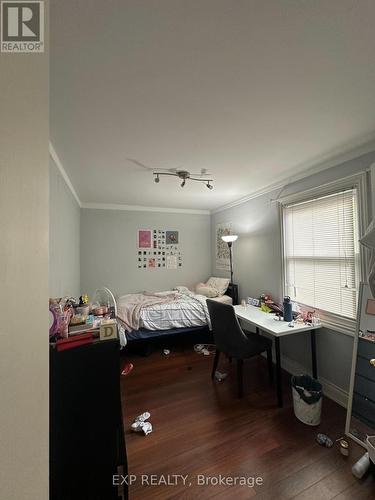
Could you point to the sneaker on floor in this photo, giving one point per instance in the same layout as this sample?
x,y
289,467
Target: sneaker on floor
x,y
145,427
143,417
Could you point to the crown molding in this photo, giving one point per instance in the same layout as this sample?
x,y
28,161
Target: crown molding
x,y
307,170
62,170
319,165
140,208
255,194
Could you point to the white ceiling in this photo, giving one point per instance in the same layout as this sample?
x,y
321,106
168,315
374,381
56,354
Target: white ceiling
x,y
253,90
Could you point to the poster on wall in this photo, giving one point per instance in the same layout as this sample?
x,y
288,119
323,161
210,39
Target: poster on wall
x,y
222,250
144,238
172,237
158,249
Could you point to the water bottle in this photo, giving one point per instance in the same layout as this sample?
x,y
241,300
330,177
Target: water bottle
x,y
288,313
360,468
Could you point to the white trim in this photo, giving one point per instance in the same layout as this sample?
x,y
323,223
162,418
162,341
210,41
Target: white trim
x,y
289,180
255,194
62,170
330,390
357,181
309,169
352,374
140,208
338,324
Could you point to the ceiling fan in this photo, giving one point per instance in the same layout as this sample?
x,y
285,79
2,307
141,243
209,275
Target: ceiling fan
x,y
184,175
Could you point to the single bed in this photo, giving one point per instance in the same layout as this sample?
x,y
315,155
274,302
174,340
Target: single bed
x,y
187,314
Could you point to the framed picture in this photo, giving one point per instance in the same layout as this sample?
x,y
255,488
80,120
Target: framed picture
x,y
172,237
222,249
144,238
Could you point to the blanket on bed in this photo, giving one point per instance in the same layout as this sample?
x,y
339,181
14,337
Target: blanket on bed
x,y
137,310
129,306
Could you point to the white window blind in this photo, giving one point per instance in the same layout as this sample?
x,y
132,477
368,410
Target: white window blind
x,y
321,252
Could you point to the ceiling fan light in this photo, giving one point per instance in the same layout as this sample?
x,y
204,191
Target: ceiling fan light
x,y
183,183
157,179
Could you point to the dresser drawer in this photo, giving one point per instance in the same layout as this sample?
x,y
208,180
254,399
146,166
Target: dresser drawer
x,y
366,349
364,368
364,387
364,410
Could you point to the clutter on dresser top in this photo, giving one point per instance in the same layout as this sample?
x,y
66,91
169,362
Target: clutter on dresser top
x,y
78,321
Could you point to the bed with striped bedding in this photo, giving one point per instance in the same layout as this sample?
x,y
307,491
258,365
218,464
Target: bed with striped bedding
x,y
188,311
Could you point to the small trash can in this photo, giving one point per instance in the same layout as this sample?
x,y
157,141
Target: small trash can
x,y
307,399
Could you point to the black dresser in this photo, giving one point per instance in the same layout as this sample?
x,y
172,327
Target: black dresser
x,y
363,406
87,444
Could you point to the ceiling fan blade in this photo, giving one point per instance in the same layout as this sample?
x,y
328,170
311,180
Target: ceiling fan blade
x,y
202,174
140,164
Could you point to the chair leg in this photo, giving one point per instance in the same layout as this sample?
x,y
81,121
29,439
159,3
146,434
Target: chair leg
x,y
216,361
270,364
240,377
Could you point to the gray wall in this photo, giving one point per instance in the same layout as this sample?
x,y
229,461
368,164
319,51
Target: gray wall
x,y
257,261
64,237
109,250
24,346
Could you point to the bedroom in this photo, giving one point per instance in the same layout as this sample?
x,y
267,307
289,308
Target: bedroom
x,y
161,127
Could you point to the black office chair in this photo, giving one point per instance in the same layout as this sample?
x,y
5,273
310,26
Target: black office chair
x,y
236,343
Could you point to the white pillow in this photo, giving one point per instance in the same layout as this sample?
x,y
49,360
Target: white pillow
x,y
219,284
207,291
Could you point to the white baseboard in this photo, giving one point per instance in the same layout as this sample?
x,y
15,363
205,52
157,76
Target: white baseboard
x,y
330,390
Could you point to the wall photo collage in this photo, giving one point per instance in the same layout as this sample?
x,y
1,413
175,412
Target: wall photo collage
x,y
158,249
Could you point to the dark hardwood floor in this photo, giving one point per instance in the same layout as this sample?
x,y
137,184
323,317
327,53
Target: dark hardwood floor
x,y
202,428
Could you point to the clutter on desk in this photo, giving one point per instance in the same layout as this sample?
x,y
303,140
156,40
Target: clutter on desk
x,y
253,302
288,311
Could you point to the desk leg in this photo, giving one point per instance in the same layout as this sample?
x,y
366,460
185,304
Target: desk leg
x,y
279,382
313,355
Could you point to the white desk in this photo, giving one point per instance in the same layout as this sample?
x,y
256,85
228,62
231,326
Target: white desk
x,y
266,322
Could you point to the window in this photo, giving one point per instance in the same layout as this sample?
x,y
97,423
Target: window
x,y
321,252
